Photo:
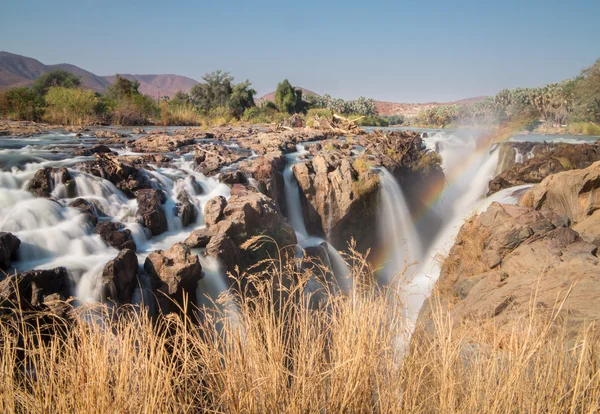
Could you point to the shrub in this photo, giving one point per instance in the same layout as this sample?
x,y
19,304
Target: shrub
x,y
71,106
54,78
22,104
585,128
264,114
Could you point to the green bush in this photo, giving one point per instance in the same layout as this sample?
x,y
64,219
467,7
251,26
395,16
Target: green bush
x,y
21,104
54,78
72,106
585,128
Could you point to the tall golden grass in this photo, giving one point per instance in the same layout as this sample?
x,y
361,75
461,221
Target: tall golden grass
x,y
279,351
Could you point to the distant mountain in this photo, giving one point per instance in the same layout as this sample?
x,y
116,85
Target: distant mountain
x,y
17,70
271,95
159,85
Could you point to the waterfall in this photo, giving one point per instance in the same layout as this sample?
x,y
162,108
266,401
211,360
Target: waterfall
x,y
292,194
518,156
398,232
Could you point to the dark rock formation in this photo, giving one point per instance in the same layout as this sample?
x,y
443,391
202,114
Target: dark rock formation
x,y
29,289
86,208
213,210
150,212
44,180
185,210
548,159
119,277
9,244
115,235
124,176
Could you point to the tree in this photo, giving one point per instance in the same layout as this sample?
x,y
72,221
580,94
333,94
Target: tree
x,y
122,89
241,98
56,77
71,106
287,98
587,93
22,103
215,92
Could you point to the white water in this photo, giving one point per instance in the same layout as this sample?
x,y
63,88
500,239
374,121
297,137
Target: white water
x,y
396,227
518,156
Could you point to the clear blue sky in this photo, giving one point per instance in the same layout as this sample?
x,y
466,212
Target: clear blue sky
x,y
407,51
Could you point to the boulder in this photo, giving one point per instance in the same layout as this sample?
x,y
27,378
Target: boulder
x,y
267,170
337,200
199,238
119,277
150,212
9,244
87,209
29,289
123,175
575,194
44,180
185,210
116,235
96,149
233,177
174,273
222,247
213,210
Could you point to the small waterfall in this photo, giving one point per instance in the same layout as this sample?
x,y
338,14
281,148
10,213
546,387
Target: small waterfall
x,y
396,227
518,156
292,194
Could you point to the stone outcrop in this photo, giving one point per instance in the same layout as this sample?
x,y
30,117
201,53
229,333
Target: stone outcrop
x,y
212,157
150,212
185,209
161,143
575,194
268,173
30,289
87,209
123,175
174,272
119,277
115,235
338,198
43,182
231,223
503,255
547,159
9,244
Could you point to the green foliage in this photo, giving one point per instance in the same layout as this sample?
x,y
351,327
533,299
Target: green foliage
x,y
72,106
58,77
361,106
288,99
585,128
396,119
264,114
372,121
214,92
22,104
587,91
122,89
241,98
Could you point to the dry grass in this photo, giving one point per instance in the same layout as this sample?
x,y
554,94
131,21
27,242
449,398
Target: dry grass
x,y
281,353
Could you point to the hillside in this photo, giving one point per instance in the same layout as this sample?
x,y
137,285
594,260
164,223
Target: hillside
x,y
159,85
17,70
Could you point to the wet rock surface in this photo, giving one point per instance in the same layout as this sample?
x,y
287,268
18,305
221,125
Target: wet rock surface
x,y
115,235
150,212
44,181
546,159
119,277
29,289
9,244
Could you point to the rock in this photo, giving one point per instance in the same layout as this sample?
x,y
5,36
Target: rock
x,y
233,177
576,194
175,272
86,208
199,238
529,250
29,289
9,244
44,180
213,210
548,159
211,158
267,170
150,212
161,143
225,250
589,228
185,210
96,149
119,277
124,176
337,200
116,235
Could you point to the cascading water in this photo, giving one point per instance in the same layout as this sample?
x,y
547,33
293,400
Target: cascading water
x,y
518,156
398,232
